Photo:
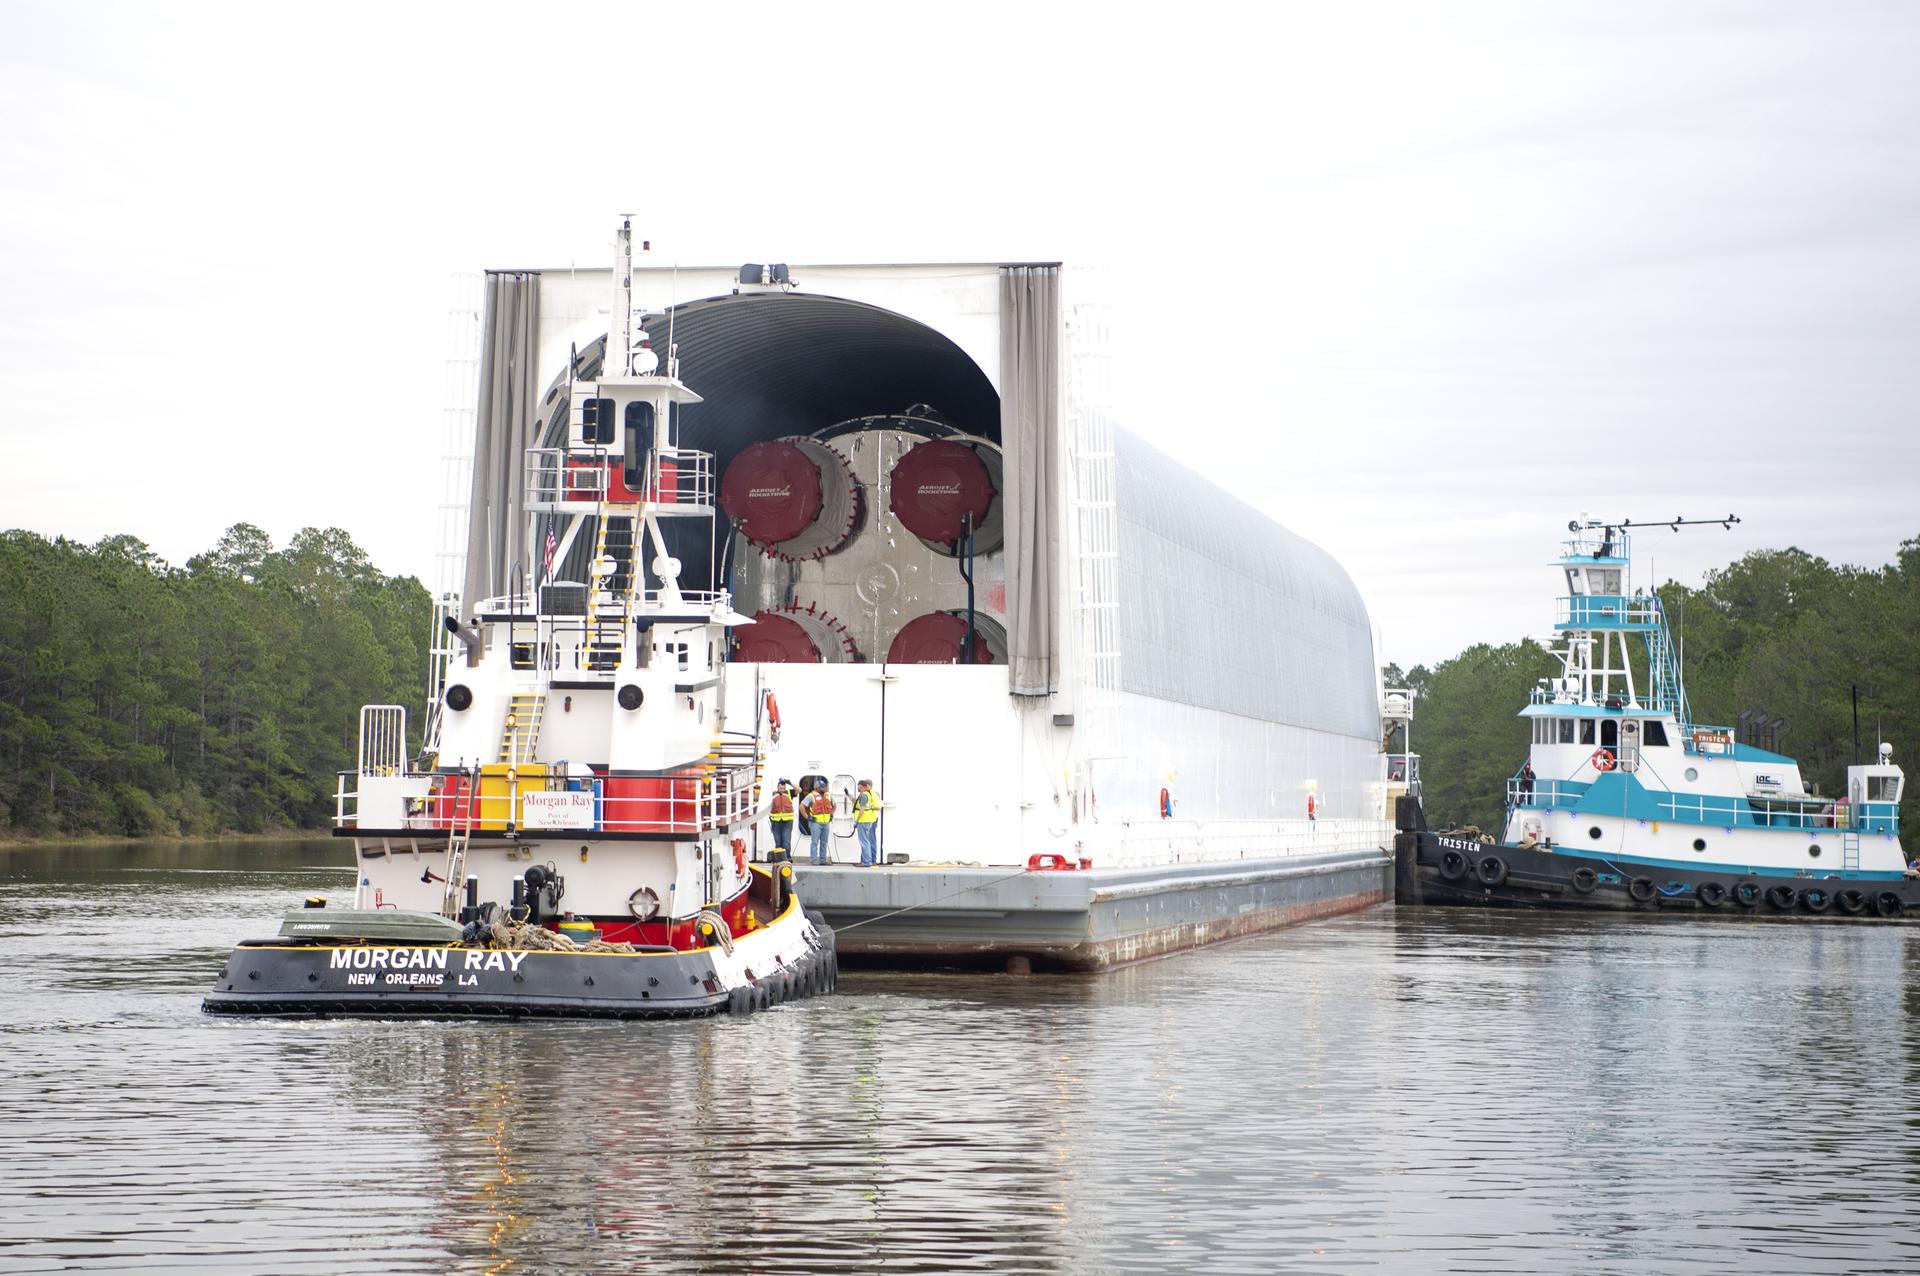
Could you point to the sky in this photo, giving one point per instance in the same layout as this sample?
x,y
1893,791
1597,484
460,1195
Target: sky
x,y
1423,281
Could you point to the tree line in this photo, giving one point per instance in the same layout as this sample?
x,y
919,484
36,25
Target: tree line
x,y
1780,634
142,699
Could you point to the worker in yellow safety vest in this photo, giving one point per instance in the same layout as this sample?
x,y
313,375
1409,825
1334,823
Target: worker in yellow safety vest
x,y
866,823
781,817
820,812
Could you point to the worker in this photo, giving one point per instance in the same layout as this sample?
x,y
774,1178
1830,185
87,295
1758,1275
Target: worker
x,y
781,817
866,823
820,811
1313,806
1526,782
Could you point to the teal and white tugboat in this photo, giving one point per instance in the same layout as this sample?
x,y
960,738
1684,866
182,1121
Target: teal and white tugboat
x,y
1626,803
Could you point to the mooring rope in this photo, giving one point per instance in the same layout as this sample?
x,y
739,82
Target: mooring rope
x,y
928,903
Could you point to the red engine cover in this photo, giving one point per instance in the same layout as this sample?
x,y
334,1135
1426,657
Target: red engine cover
x,y
773,489
935,639
773,637
936,483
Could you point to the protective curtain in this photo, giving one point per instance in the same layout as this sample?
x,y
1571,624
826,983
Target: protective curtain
x,y
1030,439
503,431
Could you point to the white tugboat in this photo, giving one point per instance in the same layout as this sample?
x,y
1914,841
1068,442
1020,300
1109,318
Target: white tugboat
x,y
573,840
1625,802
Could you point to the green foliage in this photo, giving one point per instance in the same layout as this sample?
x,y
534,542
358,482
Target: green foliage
x,y
1779,633
142,699
1465,729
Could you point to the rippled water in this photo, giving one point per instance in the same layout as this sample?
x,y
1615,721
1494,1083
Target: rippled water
x,y
1400,1090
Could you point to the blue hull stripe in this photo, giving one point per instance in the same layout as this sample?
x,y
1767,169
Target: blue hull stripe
x,y
1704,865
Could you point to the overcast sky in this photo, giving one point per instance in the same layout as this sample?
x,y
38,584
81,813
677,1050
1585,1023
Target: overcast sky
x,y
1423,281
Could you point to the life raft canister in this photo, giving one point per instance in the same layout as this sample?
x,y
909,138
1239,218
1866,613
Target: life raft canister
x,y
1603,759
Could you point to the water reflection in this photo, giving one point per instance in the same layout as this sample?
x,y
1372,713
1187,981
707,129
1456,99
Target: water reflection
x,y
1422,1090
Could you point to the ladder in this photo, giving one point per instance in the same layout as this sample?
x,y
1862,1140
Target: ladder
x,y
520,736
610,592
460,833
1850,850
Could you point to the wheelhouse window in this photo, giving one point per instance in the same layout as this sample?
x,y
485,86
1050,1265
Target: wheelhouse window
x,y
1566,730
1654,734
1586,730
1883,788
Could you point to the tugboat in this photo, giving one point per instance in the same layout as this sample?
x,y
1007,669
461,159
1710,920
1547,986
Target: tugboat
x,y
1625,803
572,839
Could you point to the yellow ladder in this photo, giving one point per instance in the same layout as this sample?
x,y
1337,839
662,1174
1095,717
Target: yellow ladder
x,y
520,737
460,833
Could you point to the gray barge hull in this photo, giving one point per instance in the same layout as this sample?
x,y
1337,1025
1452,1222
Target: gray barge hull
x,y
1079,919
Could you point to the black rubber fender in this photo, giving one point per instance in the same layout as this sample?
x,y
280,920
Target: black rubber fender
x,y
740,1001
1491,870
1641,888
1454,866
1710,894
1782,897
1584,880
1818,899
1851,901
1747,893
1887,904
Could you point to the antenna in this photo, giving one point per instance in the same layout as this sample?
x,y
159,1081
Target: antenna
x,y
1675,524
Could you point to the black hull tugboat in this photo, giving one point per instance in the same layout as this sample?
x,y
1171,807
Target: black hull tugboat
x,y
572,838
1625,804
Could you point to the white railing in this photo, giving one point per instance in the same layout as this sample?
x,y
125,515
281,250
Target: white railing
x,y
1147,842
576,480
383,739
690,803
1095,584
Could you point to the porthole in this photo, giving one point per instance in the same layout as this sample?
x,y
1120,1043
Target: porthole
x,y
1693,773
630,696
1814,850
1594,832
1699,843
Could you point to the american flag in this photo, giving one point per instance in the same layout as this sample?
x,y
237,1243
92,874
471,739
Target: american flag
x,y
552,545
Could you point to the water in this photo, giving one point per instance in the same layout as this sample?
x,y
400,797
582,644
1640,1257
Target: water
x,y
1399,1090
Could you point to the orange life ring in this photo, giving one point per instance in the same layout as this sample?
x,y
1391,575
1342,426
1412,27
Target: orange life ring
x,y
740,856
1602,759
773,718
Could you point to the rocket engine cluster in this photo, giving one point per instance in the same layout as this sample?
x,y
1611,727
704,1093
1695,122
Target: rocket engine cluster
x,y
878,537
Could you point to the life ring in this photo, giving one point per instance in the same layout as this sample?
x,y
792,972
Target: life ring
x,y
1782,897
1747,893
1584,880
1453,866
1818,899
1851,901
740,856
1602,759
1887,904
1641,888
1492,870
773,718
1710,894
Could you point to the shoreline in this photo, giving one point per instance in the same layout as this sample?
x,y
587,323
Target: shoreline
x,y
82,840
